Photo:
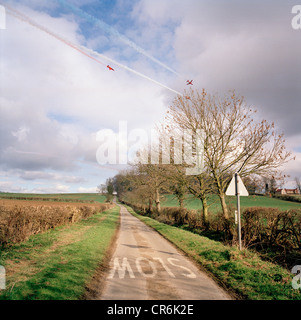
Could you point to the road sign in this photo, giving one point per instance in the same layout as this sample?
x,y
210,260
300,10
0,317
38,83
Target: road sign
x,y
237,188
231,190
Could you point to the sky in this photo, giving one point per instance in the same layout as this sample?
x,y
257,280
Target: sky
x,y
57,104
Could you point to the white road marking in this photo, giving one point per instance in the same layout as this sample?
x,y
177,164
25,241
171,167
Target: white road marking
x,y
125,266
189,275
121,269
165,267
146,275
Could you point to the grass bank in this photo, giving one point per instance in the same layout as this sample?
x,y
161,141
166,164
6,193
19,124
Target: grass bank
x,y
241,272
58,264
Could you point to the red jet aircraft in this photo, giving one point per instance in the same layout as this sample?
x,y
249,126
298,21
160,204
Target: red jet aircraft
x,y
110,68
189,82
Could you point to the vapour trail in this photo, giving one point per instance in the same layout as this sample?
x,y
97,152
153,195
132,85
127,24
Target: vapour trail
x,y
130,70
83,49
23,18
107,28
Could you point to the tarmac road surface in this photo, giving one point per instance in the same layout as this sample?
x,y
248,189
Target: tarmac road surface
x,y
145,266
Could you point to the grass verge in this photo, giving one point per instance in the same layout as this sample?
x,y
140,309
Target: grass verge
x,y
58,264
241,272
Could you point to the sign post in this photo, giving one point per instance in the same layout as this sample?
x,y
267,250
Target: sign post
x,y
238,209
237,188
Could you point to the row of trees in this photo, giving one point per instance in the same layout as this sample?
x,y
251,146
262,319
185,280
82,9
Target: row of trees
x,y
213,137
107,189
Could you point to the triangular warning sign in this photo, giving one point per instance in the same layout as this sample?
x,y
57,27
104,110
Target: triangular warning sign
x,y
231,190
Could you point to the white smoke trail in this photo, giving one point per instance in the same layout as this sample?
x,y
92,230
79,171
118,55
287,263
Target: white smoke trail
x,y
23,18
82,49
107,28
129,69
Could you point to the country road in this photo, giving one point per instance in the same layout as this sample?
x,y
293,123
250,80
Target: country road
x,y
145,266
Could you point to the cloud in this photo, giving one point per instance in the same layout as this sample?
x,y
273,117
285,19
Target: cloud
x,y
86,190
58,188
247,46
51,82
11,186
8,186
41,175
34,175
54,100
21,134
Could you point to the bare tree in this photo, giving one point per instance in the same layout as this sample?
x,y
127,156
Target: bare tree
x,y
101,188
252,184
185,125
234,141
151,177
270,185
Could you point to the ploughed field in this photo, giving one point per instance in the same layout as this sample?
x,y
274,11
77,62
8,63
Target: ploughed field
x,y
65,197
30,203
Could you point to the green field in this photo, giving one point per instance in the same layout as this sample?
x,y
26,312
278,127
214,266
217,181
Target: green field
x,y
61,196
245,202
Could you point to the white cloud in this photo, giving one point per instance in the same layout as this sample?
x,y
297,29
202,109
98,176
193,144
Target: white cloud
x,y
50,78
48,176
53,99
9,186
58,188
22,133
86,190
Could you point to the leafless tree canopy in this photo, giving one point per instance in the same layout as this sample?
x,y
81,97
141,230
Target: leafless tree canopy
x,y
233,140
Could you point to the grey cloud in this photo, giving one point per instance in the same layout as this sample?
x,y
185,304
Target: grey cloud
x,y
248,46
28,175
8,186
41,175
244,45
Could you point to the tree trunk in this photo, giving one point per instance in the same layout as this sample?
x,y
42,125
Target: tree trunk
x,y
150,205
205,212
221,195
224,205
181,202
158,206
